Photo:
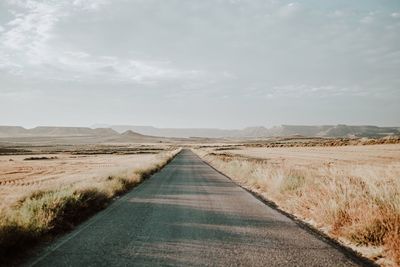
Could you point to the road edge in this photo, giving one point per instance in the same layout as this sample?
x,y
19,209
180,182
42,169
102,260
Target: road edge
x,y
49,243
350,253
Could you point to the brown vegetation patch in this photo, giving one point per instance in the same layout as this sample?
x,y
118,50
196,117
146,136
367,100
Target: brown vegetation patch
x,y
40,158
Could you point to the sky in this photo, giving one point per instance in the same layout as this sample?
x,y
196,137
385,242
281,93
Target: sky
x,y
208,63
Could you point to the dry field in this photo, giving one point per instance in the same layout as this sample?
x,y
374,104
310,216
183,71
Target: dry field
x,y
351,193
42,194
20,177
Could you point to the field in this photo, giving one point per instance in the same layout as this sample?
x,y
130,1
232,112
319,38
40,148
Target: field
x,y
352,193
21,174
47,190
348,189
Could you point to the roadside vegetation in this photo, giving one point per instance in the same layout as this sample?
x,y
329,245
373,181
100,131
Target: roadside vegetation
x,y
358,204
49,211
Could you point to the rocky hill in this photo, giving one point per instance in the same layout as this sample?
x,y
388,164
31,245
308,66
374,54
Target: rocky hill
x,y
42,131
260,132
148,133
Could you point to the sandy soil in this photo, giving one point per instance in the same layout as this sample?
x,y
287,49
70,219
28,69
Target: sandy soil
x,y
18,177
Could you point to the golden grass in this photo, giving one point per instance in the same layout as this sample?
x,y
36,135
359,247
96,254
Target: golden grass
x,y
19,178
355,202
58,208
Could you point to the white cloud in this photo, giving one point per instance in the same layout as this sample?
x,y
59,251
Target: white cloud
x,y
29,39
338,13
306,90
30,31
207,49
9,65
21,95
367,19
289,10
395,15
90,5
83,67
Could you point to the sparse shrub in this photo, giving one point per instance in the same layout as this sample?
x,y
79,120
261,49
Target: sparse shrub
x,y
292,182
40,158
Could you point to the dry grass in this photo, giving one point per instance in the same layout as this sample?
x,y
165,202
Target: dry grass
x,y
19,177
59,204
352,193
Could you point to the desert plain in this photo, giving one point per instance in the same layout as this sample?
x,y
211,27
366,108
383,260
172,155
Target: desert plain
x,y
347,189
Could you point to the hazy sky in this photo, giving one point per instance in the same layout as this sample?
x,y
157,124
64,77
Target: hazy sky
x,y
182,63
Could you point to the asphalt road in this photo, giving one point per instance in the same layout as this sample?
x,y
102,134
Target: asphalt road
x,y
189,215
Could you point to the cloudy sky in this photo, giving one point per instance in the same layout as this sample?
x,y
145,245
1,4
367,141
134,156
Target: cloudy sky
x,y
208,63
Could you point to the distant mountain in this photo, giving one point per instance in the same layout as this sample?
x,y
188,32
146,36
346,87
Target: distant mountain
x,y
104,132
6,131
175,132
61,131
130,133
133,137
43,131
254,132
260,131
314,131
340,130
362,131
72,135
126,133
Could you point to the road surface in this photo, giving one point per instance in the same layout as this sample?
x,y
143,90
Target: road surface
x,y
189,215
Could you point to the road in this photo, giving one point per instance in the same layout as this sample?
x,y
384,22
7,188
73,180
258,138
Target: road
x,y
189,215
